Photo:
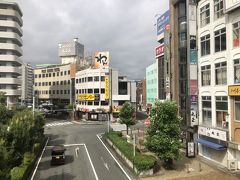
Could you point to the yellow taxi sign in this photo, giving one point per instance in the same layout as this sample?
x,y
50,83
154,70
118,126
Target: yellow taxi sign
x,y
87,97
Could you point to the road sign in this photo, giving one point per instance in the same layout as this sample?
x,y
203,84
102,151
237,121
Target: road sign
x,y
147,122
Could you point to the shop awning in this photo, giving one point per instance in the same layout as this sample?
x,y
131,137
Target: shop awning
x,y
211,144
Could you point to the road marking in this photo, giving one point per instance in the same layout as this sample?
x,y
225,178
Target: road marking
x,y
56,123
76,151
105,164
91,162
68,145
113,157
35,170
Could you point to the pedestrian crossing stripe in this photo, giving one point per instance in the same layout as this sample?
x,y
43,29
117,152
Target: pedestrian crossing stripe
x,y
58,124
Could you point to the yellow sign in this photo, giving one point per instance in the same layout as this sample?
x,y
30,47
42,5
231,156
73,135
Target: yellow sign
x,y
116,109
234,90
101,59
106,87
86,97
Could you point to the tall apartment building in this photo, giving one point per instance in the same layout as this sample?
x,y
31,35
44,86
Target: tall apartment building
x,y
151,84
10,51
183,62
141,94
218,66
27,83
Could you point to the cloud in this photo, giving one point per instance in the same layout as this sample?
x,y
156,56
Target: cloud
x,y
125,28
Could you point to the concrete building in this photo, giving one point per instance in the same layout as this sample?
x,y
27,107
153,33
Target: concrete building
x,y
141,94
218,67
101,91
183,63
10,51
151,84
27,84
52,83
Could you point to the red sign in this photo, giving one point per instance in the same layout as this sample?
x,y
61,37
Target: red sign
x,y
159,51
147,122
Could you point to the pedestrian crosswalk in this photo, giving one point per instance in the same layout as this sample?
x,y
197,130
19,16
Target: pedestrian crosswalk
x,y
58,123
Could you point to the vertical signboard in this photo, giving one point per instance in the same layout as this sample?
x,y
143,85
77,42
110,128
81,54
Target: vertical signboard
x,y
101,60
106,88
162,21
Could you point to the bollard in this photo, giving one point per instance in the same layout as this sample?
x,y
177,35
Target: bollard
x,y
187,166
200,167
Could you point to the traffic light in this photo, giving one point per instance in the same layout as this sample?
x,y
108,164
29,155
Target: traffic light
x,y
97,97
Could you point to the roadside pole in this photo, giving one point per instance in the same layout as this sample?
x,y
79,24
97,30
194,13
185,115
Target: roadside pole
x,y
33,107
134,145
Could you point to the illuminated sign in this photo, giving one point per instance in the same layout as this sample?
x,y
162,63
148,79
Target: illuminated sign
x,y
234,90
87,97
106,87
159,50
101,59
162,22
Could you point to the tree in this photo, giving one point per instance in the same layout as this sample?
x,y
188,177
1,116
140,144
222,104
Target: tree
x,y
3,98
163,134
126,115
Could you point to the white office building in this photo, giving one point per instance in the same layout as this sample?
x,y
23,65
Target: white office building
x,y
10,50
27,83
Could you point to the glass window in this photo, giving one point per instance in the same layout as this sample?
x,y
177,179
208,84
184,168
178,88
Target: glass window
x,y
76,81
204,15
206,110
237,108
65,73
237,70
236,34
102,78
53,74
221,111
102,91
206,75
221,73
205,45
218,8
96,90
68,72
90,103
90,91
220,40
96,103
96,78
90,79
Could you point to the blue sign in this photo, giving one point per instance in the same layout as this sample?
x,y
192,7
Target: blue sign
x,y
162,21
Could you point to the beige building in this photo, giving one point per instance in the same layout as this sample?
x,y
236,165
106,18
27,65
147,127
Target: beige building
x,y
53,83
27,84
10,51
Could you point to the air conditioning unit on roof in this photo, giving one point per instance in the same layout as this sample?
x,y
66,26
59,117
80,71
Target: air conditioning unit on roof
x,y
232,165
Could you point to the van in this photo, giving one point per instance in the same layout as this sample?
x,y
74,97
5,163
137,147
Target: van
x,y
58,155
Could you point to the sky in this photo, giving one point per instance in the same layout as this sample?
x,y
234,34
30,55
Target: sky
x,y
125,28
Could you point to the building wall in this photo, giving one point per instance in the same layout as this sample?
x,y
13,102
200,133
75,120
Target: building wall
x,y
27,83
11,51
151,83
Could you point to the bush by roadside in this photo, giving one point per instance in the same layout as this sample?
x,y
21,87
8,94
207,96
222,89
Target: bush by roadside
x,y
141,162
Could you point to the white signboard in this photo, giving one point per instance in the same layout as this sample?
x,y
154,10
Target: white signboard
x,y
213,133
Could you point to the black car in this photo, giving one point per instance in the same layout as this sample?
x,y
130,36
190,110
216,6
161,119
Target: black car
x,y
58,155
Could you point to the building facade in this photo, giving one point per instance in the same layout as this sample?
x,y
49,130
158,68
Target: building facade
x,y
10,51
151,84
141,94
53,83
27,84
218,63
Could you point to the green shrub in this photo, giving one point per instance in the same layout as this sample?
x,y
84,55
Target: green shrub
x,y
140,161
18,172
28,158
36,148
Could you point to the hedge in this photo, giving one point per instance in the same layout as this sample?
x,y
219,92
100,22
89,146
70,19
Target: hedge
x,y
140,161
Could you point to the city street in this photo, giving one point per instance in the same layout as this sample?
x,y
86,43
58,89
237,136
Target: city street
x,y
86,156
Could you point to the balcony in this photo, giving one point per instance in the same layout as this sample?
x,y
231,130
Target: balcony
x,y
10,69
11,24
12,92
11,35
10,81
10,46
121,98
10,58
12,13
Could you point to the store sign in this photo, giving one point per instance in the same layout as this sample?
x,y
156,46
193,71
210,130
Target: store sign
x,y
87,97
190,149
193,56
162,22
159,51
116,109
101,60
106,88
213,133
234,90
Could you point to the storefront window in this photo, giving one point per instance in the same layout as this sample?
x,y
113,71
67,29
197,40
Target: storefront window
x,y
222,111
206,110
237,108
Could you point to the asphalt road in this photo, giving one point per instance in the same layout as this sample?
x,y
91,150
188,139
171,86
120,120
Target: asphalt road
x,y
80,140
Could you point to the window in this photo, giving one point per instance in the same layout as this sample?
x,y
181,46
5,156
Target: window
x,y
39,75
61,92
65,73
221,73
50,74
53,91
102,78
68,81
102,91
35,75
221,111
96,103
57,91
43,75
205,45
236,34
39,84
53,74
104,103
237,70
96,90
65,82
46,75
53,83
57,82
206,75
90,91
50,92
76,81
96,78
218,8
237,108
50,83
61,73
83,80
79,80
65,91
57,73
90,79
205,15
206,110
220,40
61,82
68,72
35,84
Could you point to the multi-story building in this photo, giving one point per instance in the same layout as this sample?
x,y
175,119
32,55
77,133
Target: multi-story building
x,y
218,64
27,84
141,94
10,51
53,83
183,63
151,84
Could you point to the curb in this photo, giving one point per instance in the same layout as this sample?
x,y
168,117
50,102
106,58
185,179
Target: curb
x,y
88,123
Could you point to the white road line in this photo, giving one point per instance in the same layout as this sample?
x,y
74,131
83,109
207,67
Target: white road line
x,y
91,162
113,157
34,172
68,145
76,151
105,164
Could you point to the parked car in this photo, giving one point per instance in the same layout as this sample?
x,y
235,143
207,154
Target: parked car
x,y
58,155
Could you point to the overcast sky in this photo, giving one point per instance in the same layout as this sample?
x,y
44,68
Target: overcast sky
x,y
123,27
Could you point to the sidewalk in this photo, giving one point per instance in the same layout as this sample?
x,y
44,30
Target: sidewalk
x,y
192,169
85,122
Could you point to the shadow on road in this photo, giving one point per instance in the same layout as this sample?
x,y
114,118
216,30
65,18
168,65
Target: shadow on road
x,y
63,176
